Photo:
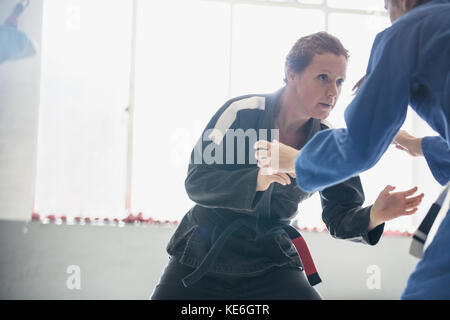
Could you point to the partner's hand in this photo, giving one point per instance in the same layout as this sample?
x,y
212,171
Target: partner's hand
x,y
406,142
275,156
265,179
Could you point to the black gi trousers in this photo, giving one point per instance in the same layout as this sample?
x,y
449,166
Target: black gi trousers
x,y
277,283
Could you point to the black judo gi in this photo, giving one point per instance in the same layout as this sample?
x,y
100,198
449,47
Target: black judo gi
x,y
234,229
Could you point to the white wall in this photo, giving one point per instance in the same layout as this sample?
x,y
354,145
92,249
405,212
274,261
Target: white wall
x,y
19,104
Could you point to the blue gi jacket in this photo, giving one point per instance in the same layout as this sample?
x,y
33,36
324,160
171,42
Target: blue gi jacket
x,y
224,190
409,64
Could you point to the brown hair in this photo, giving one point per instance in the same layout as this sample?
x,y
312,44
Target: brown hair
x,y
303,51
358,84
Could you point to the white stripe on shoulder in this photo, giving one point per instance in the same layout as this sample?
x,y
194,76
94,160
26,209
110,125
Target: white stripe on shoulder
x,y
328,124
227,118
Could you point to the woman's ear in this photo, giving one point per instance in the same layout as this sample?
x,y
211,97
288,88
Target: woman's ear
x,y
290,75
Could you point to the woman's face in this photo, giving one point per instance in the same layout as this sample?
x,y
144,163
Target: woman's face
x,y
318,87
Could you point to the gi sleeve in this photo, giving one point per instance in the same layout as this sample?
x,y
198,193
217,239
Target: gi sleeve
x,y
373,119
211,187
437,154
344,215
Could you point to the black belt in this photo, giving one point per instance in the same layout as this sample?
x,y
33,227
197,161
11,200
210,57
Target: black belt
x,y
421,234
297,240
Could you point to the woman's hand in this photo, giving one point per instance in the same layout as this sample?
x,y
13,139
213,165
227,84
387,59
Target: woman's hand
x,y
275,156
406,142
389,205
265,179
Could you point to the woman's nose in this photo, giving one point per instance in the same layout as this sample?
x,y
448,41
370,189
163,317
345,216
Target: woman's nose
x,y
332,91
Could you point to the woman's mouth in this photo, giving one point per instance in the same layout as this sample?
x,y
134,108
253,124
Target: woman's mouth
x,y
325,105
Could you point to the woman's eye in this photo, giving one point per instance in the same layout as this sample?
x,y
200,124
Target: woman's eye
x,y
322,77
340,82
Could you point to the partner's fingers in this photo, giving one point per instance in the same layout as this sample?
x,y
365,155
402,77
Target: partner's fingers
x,y
400,147
285,177
263,162
281,178
262,144
261,154
266,171
276,178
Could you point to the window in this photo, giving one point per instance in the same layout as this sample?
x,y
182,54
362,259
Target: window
x,y
182,78
262,36
357,4
191,56
82,119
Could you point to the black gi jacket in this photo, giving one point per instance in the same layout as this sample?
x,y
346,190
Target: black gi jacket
x,y
244,232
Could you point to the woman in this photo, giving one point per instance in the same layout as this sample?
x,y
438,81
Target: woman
x,y
237,242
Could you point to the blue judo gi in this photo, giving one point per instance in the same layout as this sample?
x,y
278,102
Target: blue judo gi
x,y
409,65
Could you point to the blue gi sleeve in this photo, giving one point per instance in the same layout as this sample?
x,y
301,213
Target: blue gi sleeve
x,y
373,118
437,154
